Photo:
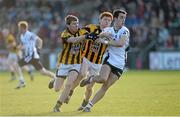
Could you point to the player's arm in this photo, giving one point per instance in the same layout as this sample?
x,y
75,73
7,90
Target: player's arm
x,y
112,42
39,43
76,39
120,43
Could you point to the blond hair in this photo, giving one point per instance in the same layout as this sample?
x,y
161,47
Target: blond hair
x,y
23,24
70,18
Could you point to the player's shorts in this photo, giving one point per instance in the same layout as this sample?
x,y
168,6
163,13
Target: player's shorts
x,y
93,69
35,62
118,72
12,57
64,69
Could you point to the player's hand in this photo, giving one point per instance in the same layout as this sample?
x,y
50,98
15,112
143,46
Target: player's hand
x,y
107,35
102,40
91,36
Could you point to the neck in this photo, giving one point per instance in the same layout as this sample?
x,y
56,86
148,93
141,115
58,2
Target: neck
x,y
72,32
117,27
24,32
101,27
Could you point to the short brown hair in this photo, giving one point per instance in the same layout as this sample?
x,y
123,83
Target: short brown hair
x,y
70,18
107,14
117,11
23,24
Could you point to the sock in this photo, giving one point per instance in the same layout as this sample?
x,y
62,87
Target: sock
x,y
30,72
89,105
71,92
58,104
21,79
12,74
84,103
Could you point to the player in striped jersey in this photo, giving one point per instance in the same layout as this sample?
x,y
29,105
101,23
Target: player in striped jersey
x,y
71,57
92,55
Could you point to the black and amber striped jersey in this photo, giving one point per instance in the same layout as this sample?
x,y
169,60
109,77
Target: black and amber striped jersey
x,y
11,43
94,51
72,52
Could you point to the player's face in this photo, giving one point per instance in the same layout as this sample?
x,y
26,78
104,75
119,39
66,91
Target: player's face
x,y
121,19
73,27
105,22
22,29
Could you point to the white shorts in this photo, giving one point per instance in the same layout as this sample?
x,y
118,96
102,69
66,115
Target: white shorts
x,y
64,69
12,57
93,69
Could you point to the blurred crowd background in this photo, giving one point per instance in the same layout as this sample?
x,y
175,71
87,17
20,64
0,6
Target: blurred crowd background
x,y
154,24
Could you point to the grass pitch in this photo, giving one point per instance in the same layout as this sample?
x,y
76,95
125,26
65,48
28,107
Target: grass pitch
x,y
153,93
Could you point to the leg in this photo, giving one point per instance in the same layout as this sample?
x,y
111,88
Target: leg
x,y
100,94
88,93
82,74
28,68
70,79
58,83
104,74
65,93
48,73
12,69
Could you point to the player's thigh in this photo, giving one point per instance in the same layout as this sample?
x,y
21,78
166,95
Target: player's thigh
x,y
105,71
84,68
94,69
72,76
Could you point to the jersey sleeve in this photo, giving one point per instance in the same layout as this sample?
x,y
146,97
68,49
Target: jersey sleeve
x,y
126,33
64,36
34,36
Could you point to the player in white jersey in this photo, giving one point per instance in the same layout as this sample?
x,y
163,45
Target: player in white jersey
x,y
114,61
30,43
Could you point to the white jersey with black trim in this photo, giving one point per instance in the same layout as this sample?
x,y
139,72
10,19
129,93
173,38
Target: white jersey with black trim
x,y
117,55
28,40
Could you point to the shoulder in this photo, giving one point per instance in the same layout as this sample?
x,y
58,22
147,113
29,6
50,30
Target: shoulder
x,y
28,33
82,31
65,34
91,27
125,29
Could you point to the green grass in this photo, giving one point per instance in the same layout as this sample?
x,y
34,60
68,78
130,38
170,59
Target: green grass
x,y
154,93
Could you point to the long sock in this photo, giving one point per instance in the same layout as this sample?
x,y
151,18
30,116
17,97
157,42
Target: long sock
x,y
71,93
30,73
58,104
21,79
12,74
89,105
84,103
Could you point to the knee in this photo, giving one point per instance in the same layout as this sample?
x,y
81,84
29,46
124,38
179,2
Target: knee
x,y
56,89
89,88
102,80
82,75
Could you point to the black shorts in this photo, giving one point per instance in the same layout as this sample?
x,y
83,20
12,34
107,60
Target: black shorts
x,y
118,72
35,62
